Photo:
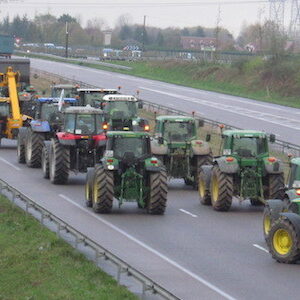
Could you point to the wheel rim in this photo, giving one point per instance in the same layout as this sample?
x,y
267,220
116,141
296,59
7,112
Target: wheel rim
x,y
267,224
95,192
282,241
202,188
215,188
87,191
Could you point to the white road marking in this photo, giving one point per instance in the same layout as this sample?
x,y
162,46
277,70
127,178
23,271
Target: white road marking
x,y
260,248
234,109
145,246
10,164
188,213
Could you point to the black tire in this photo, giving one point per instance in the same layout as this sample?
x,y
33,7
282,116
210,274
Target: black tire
x,y
201,160
103,190
33,148
59,163
267,222
89,183
221,190
157,201
276,186
45,159
21,146
284,241
203,189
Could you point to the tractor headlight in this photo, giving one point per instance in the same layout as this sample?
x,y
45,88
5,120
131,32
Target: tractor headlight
x,y
110,167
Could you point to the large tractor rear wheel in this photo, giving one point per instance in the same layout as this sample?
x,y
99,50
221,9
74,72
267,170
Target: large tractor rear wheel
x,y
201,160
156,204
33,148
89,183
221,190
45,159
284,241
21,145
275,186
103,190
59,163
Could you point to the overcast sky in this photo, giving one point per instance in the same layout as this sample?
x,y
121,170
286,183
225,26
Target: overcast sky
x,y
158,14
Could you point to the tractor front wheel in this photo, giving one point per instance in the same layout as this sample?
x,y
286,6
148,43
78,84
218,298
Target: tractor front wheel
x,y
45,159
103,190
221,190
203,189
59,163
284,241
89,183
21,146
156,204
201,160
275,188
33,148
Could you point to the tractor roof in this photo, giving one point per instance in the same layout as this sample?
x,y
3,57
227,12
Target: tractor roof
x,y
65,86
127,134
56,100
83,110
174,118
106,91
245,133
109,98
296,161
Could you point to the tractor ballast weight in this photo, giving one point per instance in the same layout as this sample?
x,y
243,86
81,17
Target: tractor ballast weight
x,y
245,170
47,120
122,112
177,145
281,220
77,146
128,172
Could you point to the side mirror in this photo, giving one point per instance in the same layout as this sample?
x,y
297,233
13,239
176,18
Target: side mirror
x,y
160,140
272,138
200,123
208,137
140,105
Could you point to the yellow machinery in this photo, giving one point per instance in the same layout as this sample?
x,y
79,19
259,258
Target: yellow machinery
x,y
11,118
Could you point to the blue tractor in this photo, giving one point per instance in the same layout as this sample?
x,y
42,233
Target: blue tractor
x,y
47,120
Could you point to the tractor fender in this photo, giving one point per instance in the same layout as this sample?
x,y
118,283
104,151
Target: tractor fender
x,y
273,167
207,171
276,207
294,219
231,167
158,149
40,126
200,147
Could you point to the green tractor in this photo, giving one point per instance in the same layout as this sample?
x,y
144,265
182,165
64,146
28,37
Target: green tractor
x,y
177,145
246,171
128,172
281,220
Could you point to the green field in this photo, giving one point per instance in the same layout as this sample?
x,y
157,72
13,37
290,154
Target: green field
x,y
36,264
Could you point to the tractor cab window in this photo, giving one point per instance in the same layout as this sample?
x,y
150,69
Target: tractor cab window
x,y
49,112
94,99
83,123
248,146
4,109
121,109
295,174
138,146
68,93
178,131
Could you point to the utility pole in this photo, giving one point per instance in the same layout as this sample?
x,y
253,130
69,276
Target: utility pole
x,y
144,33
67,40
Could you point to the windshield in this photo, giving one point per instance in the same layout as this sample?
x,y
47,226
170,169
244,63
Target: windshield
x,y
249,146
94,99
136,145
83,123
121,109
50,112
4,109
68,92
178,131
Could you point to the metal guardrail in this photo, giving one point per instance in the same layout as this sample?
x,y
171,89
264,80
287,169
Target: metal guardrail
x,y
100,252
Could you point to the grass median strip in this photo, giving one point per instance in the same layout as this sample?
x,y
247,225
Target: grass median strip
x,y
36,264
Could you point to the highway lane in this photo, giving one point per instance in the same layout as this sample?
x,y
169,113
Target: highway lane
x,y
193,251
236,111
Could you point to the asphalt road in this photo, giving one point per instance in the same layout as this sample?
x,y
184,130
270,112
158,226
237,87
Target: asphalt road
x,y
193,251
236,111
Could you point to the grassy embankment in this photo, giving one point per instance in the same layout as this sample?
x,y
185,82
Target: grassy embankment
x,y
266,80
36,264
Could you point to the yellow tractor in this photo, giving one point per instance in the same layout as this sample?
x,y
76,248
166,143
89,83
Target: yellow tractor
x,y
11,118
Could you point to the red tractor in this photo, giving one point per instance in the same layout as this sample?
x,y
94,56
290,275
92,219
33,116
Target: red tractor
x,y
79,145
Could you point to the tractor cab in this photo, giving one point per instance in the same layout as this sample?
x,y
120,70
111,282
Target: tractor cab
x,y
94,97
122,112
70,90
